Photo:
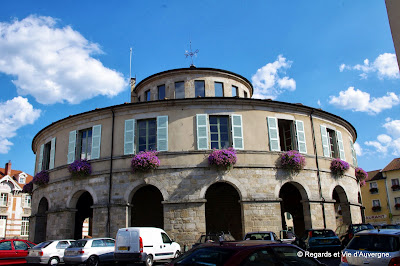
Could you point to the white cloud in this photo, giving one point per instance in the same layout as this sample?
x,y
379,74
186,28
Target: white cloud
x,y
268,81
385,65
359,150
54,64
393,128
359,101
388,144
15,114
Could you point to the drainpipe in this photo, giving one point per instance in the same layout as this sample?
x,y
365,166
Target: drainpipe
x,y
318,172
110,177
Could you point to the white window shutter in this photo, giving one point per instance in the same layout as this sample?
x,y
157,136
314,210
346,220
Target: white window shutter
x,y
353,152
162,133
340,145
129,137
52,153
202,131
301,136
237,132
40,163
71,146
325,142
273,134
96,141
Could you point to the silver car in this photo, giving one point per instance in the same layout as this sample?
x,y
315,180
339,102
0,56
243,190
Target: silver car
x,y
373,247
48,252
90,251
261,235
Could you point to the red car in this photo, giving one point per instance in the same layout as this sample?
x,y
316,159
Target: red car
x,y
14,251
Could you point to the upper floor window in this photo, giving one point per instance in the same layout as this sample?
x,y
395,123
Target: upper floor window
x,y
376,203
147,95
179,90
219,132
46,155
245,94
397,200
332,143
353,152
146,132
27,201
395,181
21,179
3,199
285,135
199,88
373,187
235,91
84,144
219,89
161,92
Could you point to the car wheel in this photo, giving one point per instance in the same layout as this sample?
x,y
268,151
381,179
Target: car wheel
x,y
54,261
149,261
177,254
92,261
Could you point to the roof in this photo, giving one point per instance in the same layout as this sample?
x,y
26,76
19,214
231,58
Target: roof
x,y
380,231
375,175
393,165
14,175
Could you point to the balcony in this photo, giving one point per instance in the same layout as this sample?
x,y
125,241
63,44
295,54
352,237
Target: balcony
x,y
397,206
373,190
376,208
395,187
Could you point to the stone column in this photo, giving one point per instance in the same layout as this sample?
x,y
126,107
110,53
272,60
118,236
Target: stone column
x,y
99,226
61,224
355,210
119,218
330,215
316,214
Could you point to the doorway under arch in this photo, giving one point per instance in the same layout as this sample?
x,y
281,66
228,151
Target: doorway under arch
x,y
223,210
41,221
342,206
83,215
147,208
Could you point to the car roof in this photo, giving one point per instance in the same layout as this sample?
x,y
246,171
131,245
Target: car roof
x,y
97,238
259,232
395,232
243,244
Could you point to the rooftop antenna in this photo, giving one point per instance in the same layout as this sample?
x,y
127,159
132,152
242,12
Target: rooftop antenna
x,y
191,53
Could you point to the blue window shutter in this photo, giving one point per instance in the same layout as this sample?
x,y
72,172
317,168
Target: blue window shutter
x,y
96,141
237,132
162,133
52,153
301,136
325,142
129,137
202,131
40,163
71,146
273,134
340,145
353,152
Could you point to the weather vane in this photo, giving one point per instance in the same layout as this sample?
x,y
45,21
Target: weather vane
x,y
191,54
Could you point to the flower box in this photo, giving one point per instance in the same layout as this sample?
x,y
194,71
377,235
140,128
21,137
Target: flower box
x,y
145,161
376,208
373,190
360,174
362,183
293,161
41,178
28,188
80,168
338,167
397,206
224,158
395,187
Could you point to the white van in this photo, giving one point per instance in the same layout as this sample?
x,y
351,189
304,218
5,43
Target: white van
x,y
144,244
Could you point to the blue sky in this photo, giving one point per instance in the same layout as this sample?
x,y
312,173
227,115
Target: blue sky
x,y
59,58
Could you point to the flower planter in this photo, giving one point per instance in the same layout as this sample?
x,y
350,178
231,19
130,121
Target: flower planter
x,y
28,188
293,161
145,161
41,178
395,187
360,174
80,168
339,167
224,158
397,206
376,208
373,190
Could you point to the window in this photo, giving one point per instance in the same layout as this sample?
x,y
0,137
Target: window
x,y
376,203
219,132
245,94
139,99
165,238
219,89
20,245
395,182
3,224
397,200
199,88
85,144
261,257
98,243
21,179
147,96
6,245
161,92
332,143
25,226
27,201
373,185
353,153
147,135
3,199
179,90
46,155
62,245
235,91
285,135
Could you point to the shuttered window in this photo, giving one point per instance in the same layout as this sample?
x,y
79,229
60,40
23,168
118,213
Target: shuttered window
x,y
325,141
273,134
202,131
340,145
353,152
146,135
71,146
84,144
237,132
162,133
129,137
301,137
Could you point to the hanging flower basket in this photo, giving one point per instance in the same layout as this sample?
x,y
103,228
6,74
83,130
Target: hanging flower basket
x,y
338,167
41,178
397,206
395,187
293,161
28,188
360,174
80,168
145,161
224,158
376,208
362,183
373,190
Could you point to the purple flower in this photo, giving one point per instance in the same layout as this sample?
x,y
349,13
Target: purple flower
x,y
28,188
360,174
41,178
338,167
293,161
80,168
224,158
145,161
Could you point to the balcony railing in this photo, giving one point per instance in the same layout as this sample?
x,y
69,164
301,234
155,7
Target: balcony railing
x,y
395,187
376,208
373,190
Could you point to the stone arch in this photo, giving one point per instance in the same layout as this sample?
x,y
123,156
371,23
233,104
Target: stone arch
x,y
231,181
342,206
293,196
133,187
83,203
223,209
41,220
74,196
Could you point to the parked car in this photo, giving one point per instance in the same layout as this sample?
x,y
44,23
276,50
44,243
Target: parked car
x,y
48,252
214,238
144,244
14,251
373,247
390,226
90,251
261,235
287,236
320,240
346,232
244,253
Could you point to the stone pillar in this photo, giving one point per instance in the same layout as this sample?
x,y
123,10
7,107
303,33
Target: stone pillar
x,y
119,218
330,215
99,226
61,224
355,210
261,215
316,214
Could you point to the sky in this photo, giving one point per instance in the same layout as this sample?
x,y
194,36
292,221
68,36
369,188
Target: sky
x,y
60,58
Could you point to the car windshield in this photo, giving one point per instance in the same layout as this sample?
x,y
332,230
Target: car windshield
x,y
258,236
288,255
392,226
323,233
78,244
212,256
43,244
360,227
374,243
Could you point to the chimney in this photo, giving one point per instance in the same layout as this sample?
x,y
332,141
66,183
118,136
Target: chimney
x,y
134,97
8,168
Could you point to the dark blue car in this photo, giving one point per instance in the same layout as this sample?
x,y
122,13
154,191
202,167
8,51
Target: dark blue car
x,y
320,240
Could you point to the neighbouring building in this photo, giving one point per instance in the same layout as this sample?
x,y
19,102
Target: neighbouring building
x,y
184,114
15,206
392,174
